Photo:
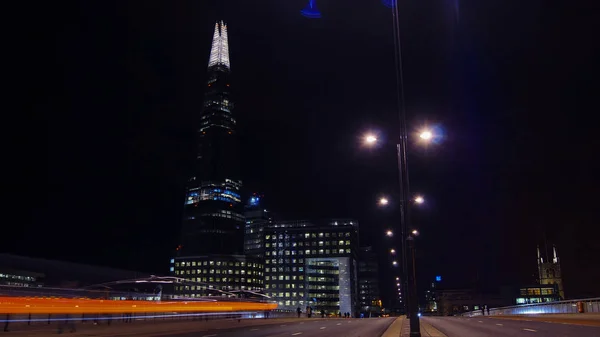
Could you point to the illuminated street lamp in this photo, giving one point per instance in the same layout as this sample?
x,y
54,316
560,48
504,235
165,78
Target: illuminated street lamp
x,y
394,263
393,251
389,233
370,139
419,199
426,135
383,201
415,232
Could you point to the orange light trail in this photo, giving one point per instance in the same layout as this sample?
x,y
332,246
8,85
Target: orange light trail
x,y
28,305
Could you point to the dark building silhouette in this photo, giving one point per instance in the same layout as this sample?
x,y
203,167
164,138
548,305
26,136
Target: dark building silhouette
x,y
368,282
213,222
257,219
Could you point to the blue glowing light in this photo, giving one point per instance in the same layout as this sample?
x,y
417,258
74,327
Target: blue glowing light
x,y
438,279
439,134
311,11
389,3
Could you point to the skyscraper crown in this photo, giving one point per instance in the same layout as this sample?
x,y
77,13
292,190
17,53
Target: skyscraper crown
x,y
219,52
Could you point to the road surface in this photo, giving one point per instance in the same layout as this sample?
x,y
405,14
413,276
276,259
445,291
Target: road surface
x,y
494,327
367,327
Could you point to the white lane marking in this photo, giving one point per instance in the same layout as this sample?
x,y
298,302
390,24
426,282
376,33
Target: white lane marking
x,y
296,333
254,329
498,324
529,330
323,327
480,321
339,324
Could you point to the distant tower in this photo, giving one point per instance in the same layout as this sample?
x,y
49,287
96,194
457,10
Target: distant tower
x,y
550,272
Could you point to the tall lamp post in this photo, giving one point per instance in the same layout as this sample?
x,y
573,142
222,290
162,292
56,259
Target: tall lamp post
x,y
406,237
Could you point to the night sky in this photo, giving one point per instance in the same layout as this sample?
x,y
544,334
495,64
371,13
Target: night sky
x,y
114,91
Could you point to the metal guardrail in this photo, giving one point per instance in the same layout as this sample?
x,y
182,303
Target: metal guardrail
x,y
587,305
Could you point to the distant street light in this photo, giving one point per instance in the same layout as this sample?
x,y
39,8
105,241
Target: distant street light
x,y
383,201
393,251
415,232
419,199
389,233
394,263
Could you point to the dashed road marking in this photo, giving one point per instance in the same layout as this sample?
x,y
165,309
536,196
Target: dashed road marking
x,y
323,327
531,330
254,329
498,324
339,324
480,321
296,333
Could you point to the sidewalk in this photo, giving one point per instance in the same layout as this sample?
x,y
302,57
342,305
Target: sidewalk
x,y
401,328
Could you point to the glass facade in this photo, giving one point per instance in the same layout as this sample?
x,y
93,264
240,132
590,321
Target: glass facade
x,y
227,272
311,265
257,220
213,221
368,281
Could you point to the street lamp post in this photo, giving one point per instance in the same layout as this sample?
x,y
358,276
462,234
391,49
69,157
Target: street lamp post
x,y
406,237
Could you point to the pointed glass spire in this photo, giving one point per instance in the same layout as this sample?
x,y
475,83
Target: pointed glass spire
x,y
219,52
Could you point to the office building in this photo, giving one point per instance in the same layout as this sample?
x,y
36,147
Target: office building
x,y
217,272
368,282
257,219
312,265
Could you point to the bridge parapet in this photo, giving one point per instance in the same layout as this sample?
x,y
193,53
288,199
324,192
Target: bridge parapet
x,y
586,305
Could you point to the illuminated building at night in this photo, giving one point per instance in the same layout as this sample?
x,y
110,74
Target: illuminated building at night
x,y
257,219
213,222
314,265
212,236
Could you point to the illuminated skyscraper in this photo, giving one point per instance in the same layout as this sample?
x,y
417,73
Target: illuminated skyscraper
x,y
213,222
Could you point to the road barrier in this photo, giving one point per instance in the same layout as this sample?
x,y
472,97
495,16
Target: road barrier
x,y
588,305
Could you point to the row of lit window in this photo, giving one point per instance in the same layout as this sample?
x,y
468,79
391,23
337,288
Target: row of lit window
x,y
286,286
285,277
281,269
307,235
216,263
17,277
323,287
322,279
308,244
224,280
217,271
323,295
309,252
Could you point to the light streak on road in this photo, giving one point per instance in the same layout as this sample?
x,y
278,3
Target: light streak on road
x,y
25,305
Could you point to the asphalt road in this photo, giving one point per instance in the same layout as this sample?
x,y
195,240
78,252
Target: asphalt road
x,y
494,327
366,327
